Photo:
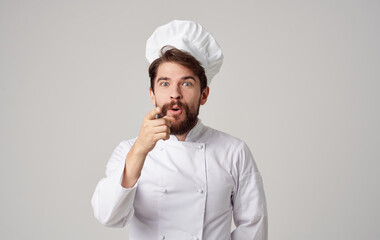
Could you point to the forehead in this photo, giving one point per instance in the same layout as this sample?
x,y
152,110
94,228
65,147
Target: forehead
x,y
173,70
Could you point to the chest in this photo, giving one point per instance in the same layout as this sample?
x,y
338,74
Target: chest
x,y
189,178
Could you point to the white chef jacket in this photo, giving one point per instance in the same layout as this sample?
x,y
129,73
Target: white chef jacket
x,y
187,190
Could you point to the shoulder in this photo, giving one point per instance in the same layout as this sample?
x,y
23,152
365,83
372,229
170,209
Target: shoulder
x,y
232,148
212,135
126,144
122,149
117,159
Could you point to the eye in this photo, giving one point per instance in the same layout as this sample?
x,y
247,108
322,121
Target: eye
x,y
164,84
187,84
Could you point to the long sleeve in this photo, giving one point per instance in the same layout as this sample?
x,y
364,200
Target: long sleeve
x,y
249,204
113,204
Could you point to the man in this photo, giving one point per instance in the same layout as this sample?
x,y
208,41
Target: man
x,y
180,179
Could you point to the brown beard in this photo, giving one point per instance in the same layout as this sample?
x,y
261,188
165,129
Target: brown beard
x,y
185,125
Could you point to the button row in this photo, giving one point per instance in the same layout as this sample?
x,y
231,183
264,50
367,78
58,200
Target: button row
x,y
162,237
164,190
200,147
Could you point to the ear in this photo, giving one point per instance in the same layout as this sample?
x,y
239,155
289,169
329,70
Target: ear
x,y
152,96
204,95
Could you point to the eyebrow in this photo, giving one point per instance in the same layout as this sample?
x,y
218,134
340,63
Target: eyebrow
x,y
188,77
166,78
162,78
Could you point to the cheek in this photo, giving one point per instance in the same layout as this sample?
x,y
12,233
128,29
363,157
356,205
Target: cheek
x,y
195,100
158,97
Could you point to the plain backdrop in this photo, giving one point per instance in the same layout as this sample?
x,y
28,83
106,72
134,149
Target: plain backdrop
x,y
299,85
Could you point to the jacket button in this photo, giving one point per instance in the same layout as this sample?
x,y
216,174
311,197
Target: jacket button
x,y
162,237
200,190
195,238
163,190
200,147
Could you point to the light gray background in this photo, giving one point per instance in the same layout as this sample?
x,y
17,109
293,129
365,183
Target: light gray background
x,y
299,84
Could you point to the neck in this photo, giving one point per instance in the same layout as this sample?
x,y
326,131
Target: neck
x,y
181,137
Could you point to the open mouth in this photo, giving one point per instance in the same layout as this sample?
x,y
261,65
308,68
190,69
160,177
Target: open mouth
x,y
175,110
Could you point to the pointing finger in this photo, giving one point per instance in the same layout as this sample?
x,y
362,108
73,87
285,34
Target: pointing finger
x,y
152,114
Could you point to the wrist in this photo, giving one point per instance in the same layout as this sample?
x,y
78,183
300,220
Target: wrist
x,y
139,150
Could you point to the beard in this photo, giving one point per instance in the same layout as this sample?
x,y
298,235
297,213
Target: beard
x,y
191,117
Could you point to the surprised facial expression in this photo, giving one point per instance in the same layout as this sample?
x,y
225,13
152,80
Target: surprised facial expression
x,y
177,92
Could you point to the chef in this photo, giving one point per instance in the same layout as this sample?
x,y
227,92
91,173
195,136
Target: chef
x,y
179,179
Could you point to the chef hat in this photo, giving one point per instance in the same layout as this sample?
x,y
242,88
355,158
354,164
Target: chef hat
x,y
188,36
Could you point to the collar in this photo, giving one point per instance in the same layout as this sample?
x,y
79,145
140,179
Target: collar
x,y
193,135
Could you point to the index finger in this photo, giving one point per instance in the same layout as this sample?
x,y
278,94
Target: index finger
x,y
152,114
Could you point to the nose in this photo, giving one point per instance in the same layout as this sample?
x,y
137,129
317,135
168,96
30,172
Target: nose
x,y
176,93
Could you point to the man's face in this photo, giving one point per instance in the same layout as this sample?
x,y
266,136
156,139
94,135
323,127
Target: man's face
x,y
177,92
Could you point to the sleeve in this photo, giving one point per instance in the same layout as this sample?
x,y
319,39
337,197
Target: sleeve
x,y
249,204
112,204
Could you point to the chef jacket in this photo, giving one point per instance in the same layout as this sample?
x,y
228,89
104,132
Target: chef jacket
x,y
187,190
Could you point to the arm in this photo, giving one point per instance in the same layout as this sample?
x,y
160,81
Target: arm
x,y
113,204
151,131
114,195
249,204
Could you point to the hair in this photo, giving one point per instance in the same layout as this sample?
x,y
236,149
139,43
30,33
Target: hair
x,y
172,54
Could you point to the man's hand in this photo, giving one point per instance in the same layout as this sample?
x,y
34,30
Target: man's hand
x,y
152,130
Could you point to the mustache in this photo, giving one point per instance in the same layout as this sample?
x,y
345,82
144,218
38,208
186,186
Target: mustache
x,y
168,106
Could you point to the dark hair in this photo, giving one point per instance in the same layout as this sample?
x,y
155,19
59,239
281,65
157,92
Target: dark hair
x,y
172,54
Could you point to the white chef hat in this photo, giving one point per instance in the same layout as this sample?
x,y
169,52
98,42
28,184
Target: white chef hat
x,y
188,36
